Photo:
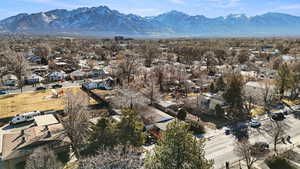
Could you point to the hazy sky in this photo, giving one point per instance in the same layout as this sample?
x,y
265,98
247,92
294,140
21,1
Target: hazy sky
x,y
210,8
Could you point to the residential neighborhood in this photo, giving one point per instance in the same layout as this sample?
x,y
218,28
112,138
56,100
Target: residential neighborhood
x,y
78,98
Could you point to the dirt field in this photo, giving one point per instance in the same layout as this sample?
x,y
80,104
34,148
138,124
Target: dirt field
x,y
11,105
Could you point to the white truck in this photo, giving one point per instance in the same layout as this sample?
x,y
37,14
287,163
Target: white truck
x,y
25,117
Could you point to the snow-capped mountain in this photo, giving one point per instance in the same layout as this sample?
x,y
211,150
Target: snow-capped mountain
x,y
104,21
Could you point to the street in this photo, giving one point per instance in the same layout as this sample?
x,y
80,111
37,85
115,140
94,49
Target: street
x,y
220,147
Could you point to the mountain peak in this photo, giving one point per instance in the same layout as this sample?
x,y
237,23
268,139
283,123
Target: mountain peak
x,y
236,16
102,20
175,12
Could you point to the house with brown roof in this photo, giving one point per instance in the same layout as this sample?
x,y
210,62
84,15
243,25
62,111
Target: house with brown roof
x,y
16,147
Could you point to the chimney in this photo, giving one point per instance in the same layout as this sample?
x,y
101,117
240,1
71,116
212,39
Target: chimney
x,y
48,134
23,140
46,128
22,132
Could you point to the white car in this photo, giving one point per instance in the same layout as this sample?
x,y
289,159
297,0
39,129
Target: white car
x,y
254,124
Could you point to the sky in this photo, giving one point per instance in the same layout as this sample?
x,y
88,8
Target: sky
x,y
209,8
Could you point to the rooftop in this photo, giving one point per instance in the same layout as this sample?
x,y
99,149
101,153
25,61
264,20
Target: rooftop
x,y
20,144
45,120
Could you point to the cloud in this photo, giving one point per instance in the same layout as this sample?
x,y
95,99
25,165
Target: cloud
x,y
177,1
288,7
225,3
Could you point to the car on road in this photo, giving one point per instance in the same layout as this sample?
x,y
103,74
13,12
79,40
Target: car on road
x,y
3,92
278,116
56,86
254,124
40,88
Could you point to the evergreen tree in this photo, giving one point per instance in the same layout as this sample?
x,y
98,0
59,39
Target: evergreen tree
x,y
103,135
287,80
220,84
282,79
130,129
219,111
182,114
212,88
233,95
178,149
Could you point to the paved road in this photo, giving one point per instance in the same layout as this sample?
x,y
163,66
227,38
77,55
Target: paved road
x,y
220,148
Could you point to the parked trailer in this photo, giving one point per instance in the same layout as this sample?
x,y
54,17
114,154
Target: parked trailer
x,y
25,117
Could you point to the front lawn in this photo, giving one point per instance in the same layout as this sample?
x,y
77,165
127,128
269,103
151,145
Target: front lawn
x,y
279,163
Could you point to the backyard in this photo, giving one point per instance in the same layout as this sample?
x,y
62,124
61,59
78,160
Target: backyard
x,y
10,105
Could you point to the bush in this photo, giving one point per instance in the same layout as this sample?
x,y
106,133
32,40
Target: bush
x,y
196,127
63,156
219,111
278,162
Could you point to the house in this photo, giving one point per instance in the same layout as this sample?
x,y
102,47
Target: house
x,y
106,84
206,103
288,58
256,89
249,74
98,73
36,59
78,75
155,120
10,80
17,146
33,79
56,76
210,101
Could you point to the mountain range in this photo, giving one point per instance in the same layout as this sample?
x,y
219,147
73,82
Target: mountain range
x,y
102,21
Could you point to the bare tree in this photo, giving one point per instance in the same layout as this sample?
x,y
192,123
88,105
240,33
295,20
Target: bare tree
x,y
159,72
249,102
118,158
268,95
43,52
76,121
210,60
42,158
152,91
17,63
150,52
244,150
100,52
276,132
127,65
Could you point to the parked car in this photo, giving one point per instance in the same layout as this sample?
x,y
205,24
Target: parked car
x,y
278,116
242,126
259,147
227,132
3,92
297,108
40,88
254,124
285,112
56,86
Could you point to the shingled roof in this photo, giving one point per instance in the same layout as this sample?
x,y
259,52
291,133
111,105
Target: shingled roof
x,y
21,144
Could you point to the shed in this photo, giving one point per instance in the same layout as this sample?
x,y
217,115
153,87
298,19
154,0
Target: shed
x,y
45,120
